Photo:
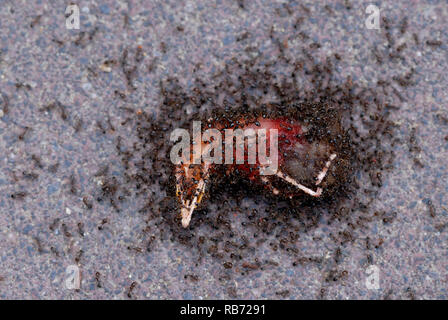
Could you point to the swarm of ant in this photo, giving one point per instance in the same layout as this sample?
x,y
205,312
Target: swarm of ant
x,y
240,217
354,119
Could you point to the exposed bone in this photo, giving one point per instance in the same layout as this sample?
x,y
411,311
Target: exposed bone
x,y
319,179
290,180
323,173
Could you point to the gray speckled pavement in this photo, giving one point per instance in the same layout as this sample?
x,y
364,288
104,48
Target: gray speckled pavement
x,y
41,61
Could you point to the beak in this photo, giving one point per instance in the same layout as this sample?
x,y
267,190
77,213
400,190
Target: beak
x,y
190,199
190,188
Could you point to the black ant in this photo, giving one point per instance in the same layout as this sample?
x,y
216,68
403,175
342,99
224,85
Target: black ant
x,y
98,280
87,202
103,222
131,289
